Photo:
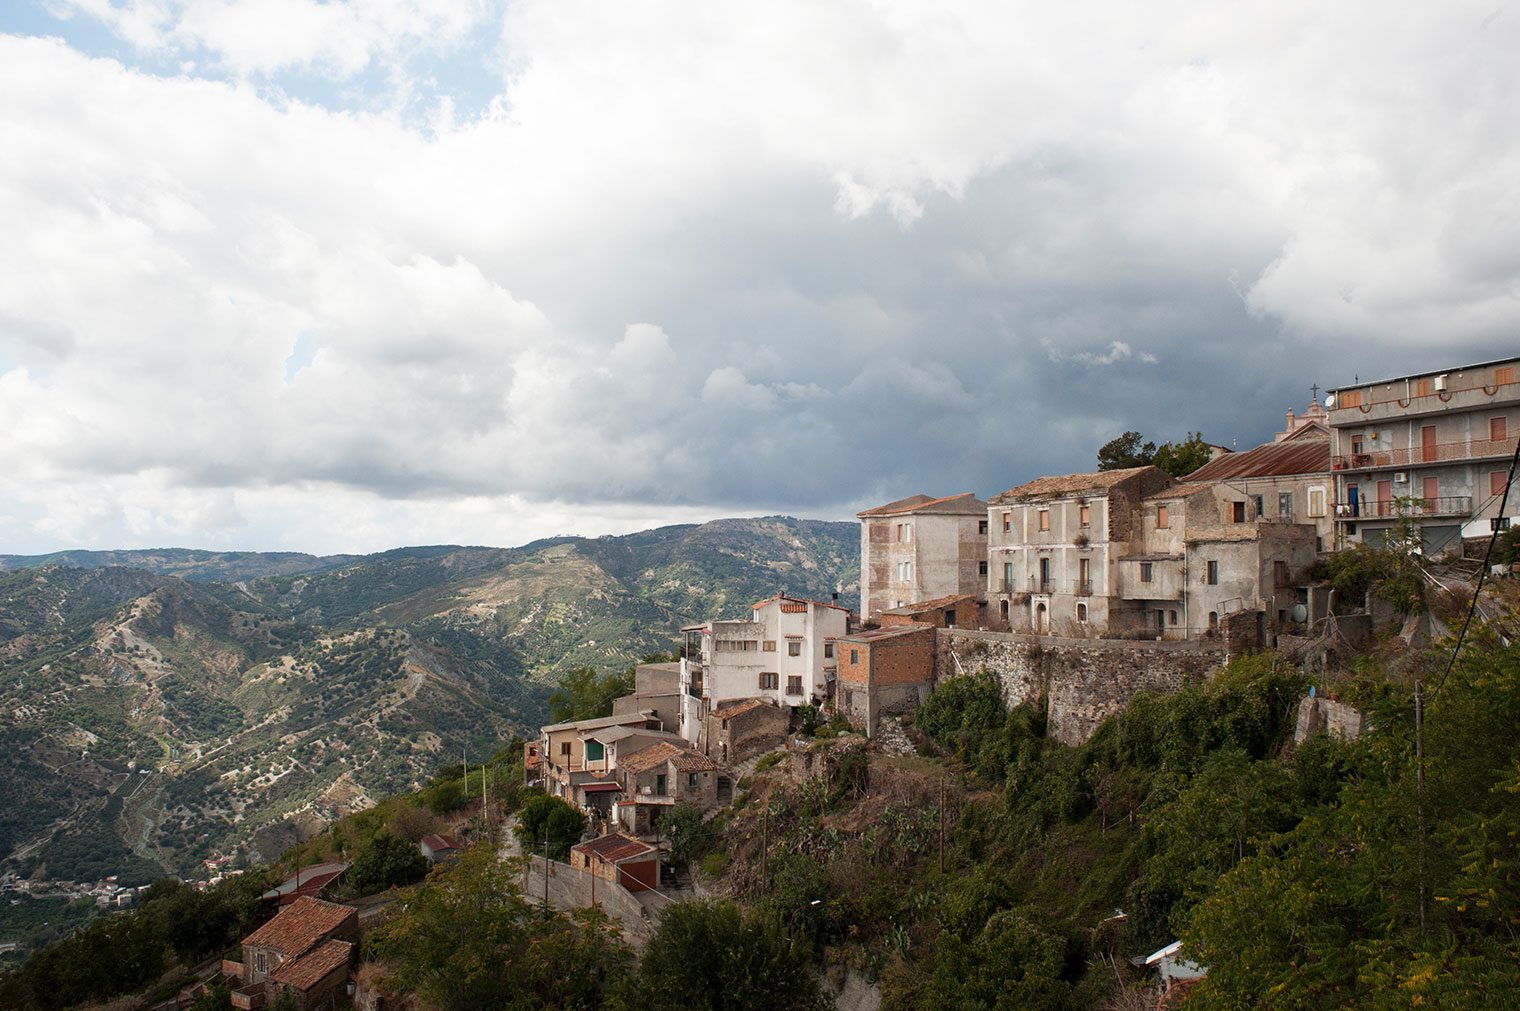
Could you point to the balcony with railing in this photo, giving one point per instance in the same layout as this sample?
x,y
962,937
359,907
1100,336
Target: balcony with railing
x,y
1082,588
1038,585
1418,508
1444,452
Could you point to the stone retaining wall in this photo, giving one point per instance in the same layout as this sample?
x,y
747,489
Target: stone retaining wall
x,y
1083,681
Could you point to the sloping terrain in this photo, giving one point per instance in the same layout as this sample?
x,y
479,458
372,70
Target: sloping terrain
x,y
150,721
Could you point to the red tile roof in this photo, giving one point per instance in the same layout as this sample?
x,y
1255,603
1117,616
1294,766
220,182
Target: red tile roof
x,y
656,755
308,970
441,842
797,605
614,847
728,710
300,925
966,502
871,635
1274,459
920,606
1066,484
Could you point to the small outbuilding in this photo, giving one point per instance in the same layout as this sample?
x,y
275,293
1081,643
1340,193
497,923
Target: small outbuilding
x,y
438,848
619,858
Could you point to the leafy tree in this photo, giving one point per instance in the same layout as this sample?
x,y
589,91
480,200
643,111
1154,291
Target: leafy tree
x,y
688,832
708,955
385,861
586,695
544,817
1125,451
1182,458
1012,963
469,939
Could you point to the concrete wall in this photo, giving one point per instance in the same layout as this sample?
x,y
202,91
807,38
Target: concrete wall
x,y
571,889
665,705
1083,681
944,549
1318,715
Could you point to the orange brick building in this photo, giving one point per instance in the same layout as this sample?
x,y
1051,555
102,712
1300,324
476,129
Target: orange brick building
x,y
883,671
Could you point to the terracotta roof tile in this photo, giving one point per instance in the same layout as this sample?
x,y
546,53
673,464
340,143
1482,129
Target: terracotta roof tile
x,y
797,605
1066,484
309,969
870,635
738,707
300,925
920,606
966,502
658,754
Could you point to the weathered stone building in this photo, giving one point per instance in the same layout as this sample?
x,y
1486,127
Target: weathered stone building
x,y
919,548
660,777
307,950
884,671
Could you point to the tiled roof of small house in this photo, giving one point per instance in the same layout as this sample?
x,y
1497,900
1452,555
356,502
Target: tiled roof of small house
x,y
441,842
613,847
737,707
300,925
797,605
869,635
965,503
1068,484
656,755
309,969
920,606
602,721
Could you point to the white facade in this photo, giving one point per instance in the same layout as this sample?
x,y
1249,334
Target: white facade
x,y
784,654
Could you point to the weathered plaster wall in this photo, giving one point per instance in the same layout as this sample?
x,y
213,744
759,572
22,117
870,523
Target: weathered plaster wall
x,y
1084,681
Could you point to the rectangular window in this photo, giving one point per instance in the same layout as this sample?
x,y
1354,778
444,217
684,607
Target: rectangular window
x,y
854,656
1504,374
1007,576
1356,445
1084,571
594,752
828,651
1213,574
1496,482
794,684
981,526
1172,617
1161,517
769,680
1085,516
1498,429
1261,508
1044,519
691,781
1285,506
1316,501
1238,512
1349,398
907,570
1007,522
794,649
981,568
659,785
1145,572
770,645
261,962
564,749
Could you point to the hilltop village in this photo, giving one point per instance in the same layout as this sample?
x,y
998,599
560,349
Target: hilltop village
x,y
1082,589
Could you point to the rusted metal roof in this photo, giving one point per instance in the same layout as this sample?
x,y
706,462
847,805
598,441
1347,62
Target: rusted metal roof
x,y
1273,459
921,606
614,847
437,843
871,635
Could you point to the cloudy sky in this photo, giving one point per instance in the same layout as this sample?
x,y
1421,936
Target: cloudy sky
x,y
346,275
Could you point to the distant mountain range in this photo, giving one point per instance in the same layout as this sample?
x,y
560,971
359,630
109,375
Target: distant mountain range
x,y
158,707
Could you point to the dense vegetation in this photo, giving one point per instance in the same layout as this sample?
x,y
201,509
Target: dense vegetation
x,y
1178,459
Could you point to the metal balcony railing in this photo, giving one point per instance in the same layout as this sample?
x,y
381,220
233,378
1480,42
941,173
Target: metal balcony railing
x,y
1038,585
1444,452
1082,589
1442,505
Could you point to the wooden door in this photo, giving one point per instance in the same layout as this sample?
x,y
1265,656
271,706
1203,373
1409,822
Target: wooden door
x,y
1385,498
1428,443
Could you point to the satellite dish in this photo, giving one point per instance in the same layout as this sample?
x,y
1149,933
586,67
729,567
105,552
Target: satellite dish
x,y
1329,401
1300,612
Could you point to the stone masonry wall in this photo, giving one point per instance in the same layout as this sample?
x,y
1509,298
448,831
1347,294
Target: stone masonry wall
x,y
1084,681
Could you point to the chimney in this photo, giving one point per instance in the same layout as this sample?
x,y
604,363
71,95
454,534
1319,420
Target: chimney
x,y
835,597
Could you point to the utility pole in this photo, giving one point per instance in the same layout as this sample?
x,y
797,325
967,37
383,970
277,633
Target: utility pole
x,y
765,846
942,825
1419,784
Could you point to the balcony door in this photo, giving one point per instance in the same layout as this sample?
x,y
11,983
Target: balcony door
x,y
1428,443
1385,498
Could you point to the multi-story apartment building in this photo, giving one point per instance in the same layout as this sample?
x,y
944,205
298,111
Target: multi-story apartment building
x,y
783,654
1434,446
1053,548
920,548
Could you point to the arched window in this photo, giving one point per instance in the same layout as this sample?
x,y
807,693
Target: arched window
x,y
1213,621
1082,613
